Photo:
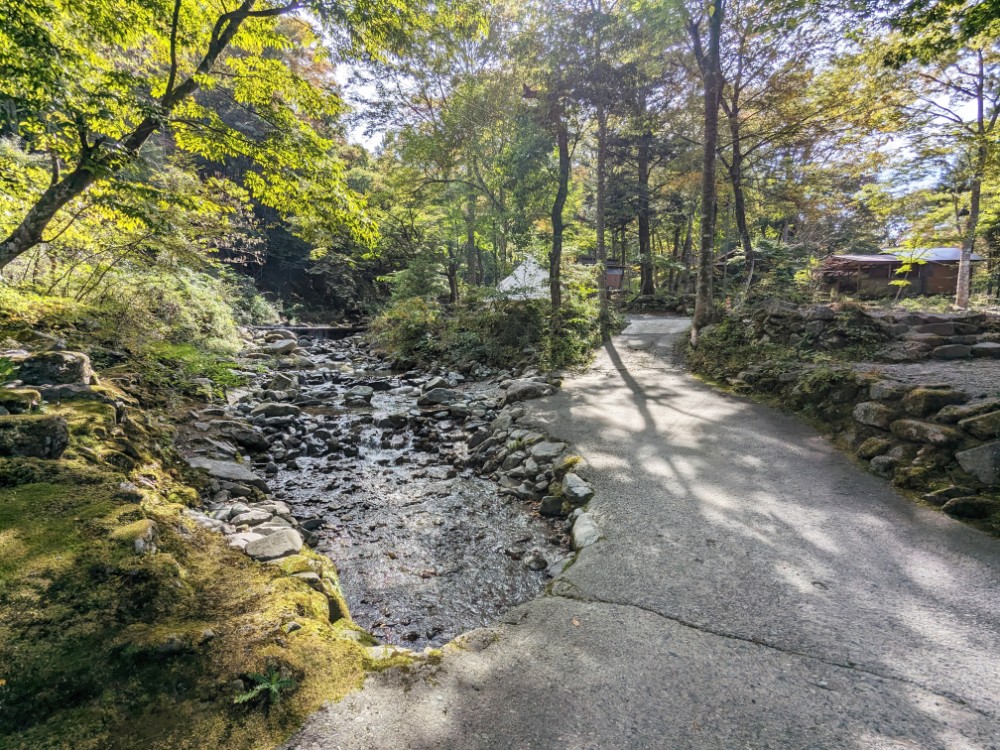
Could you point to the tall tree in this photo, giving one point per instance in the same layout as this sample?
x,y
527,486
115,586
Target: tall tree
x,y
712,75
949,93
90,83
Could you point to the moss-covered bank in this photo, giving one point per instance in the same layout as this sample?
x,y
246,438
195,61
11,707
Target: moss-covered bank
x,y
124,625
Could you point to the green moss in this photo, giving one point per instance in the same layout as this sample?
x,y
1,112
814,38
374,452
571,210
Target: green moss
x,y
19,400
101,647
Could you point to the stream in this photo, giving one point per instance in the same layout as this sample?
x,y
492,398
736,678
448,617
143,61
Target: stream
x,y
426,549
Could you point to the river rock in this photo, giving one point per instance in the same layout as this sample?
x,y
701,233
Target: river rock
x,y
250,518
534,560
874,414
551,505
55,368
269,409
283,382
33,436
228,471
585,531
916,431
435,382
280,346
982,462
279,334
923,401
439,397
253,440
984,427
359,395
578,491
524,390
547,451
279,544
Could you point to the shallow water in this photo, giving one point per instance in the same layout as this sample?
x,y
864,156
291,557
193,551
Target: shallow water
x,y
425,549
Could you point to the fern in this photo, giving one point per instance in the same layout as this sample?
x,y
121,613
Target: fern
x,y
268,688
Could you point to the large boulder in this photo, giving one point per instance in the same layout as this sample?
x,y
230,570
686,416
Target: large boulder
x,y
524,390
33,436
923,401
982,462
439,397
874,414
281,346
915,431
281,543
359,395
55,368
984,427
228,471
271,409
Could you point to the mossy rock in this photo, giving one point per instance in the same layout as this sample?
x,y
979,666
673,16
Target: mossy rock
x,y
972,507
33,436
874,446
19,400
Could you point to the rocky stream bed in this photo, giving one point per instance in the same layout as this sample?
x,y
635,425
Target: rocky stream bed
x,y
439,513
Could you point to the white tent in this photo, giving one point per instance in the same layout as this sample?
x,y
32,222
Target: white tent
x,y
528,281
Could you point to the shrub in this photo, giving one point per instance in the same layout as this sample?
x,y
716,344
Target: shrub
x,y
492,330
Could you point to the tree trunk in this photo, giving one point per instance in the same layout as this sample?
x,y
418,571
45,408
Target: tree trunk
x,y
963,287
602,179
739,197
713,81
645,244
471,261
555,256
29,233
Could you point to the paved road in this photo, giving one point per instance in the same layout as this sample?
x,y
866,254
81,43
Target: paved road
x,y
753,589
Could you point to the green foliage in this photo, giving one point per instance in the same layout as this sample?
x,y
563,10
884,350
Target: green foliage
x,y
267,688
7,369
726,348
781,271
175,367
492,330
408,327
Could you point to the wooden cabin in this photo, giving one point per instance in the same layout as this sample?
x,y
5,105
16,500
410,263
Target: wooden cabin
x,y
871,275
614,272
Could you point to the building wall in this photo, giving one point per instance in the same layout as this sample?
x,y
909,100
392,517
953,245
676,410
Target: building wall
x,y
874,281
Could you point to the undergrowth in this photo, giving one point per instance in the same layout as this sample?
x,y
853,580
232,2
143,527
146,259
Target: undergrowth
x,y
492,330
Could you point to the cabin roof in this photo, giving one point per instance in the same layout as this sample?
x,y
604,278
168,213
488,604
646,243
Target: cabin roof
x,y
926,254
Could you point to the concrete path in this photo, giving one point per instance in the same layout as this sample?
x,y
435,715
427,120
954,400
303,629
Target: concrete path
x,y
754,589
